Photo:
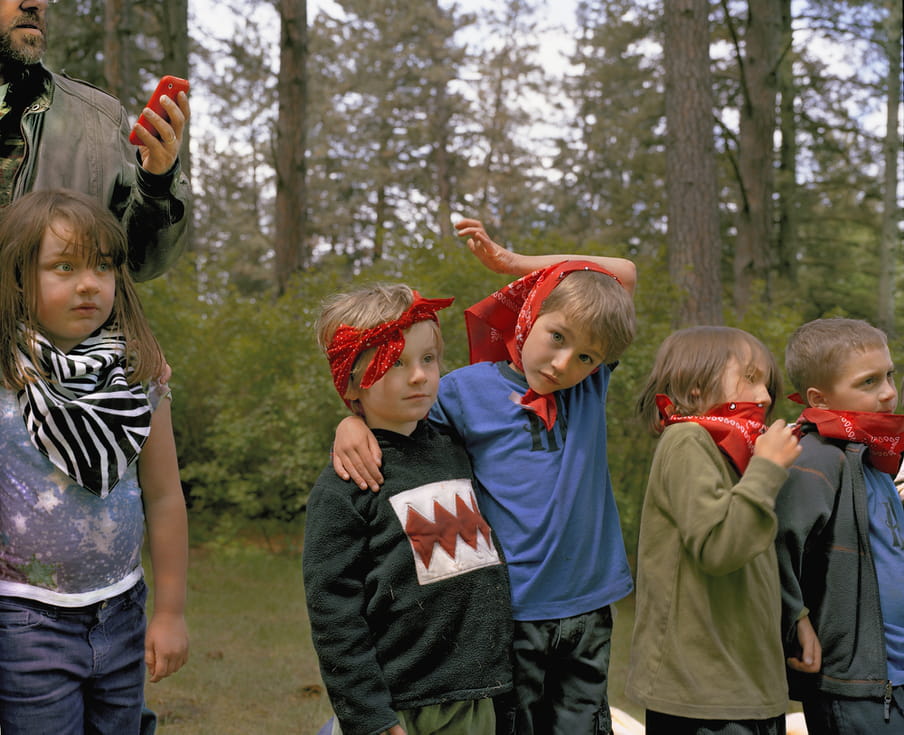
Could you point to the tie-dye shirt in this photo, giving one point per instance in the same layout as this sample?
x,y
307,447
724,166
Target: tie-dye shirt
x,y
59,543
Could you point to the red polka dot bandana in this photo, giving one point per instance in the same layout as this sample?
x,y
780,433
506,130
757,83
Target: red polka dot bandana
x,y
348,343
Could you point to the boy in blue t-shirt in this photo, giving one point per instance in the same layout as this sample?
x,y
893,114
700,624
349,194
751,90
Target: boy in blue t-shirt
x,y
530,410
841,532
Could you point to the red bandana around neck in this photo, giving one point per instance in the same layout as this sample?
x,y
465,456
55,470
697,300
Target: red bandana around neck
x,y
348,343
882,433
498,325
733,426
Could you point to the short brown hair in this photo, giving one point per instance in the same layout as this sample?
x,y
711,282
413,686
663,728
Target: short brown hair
x,y
814,353
91,229
689,367
600,305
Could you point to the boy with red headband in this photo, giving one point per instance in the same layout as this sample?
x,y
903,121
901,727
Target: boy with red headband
x,y
841,532
407,594
530,410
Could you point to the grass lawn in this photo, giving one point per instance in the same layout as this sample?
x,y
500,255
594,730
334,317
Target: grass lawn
x,y
252,667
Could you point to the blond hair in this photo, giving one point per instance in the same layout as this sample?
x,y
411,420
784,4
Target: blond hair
x,y
364,308
689,367
600,305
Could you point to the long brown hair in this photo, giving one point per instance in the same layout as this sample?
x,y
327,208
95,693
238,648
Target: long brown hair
x,y
92,230
689,367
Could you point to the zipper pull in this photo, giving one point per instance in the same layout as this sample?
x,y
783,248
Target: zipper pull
x,y
887,701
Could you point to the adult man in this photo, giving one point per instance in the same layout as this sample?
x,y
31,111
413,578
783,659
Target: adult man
x,y
58,132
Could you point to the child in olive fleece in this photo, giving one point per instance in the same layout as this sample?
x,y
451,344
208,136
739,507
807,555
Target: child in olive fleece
x,y
706,655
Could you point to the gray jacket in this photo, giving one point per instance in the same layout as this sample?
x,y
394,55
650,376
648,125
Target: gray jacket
x,y
826,565
76,137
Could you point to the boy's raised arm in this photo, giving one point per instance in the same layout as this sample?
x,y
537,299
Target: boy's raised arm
x,y
499,260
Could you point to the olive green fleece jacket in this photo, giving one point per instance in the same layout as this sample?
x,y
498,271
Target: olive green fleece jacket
x,y
707,633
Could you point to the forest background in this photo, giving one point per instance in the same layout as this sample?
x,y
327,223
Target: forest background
x,y
745,154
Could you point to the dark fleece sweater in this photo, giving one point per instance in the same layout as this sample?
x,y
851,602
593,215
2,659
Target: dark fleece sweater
x,y
407,594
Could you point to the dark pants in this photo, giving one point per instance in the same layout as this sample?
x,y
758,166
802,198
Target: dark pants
x,y
829,714
561,673
660,724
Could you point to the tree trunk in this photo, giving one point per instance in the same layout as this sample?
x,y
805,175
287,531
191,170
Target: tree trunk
x,y
889,244
291,185
118,63
693,230
174,39
786,184
441,163
759,88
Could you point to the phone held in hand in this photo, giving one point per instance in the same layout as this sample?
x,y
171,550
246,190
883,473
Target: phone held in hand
x,y
168,85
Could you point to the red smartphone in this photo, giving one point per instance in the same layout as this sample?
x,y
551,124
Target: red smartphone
x,y
168,85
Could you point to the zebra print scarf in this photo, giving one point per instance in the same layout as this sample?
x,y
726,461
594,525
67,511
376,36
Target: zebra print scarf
x,y
85,418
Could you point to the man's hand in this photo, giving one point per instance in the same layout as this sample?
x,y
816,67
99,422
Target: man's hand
x,y
159,154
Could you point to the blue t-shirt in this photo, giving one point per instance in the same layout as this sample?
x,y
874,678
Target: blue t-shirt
x,y
886,535
547,494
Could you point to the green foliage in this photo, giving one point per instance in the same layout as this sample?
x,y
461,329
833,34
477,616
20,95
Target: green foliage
x,y
413,108
254,405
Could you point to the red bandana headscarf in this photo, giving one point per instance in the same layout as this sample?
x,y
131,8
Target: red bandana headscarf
x,y
733,426
348,343
498,325
883,433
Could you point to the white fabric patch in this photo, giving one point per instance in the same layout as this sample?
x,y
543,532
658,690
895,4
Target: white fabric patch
x,y
447,533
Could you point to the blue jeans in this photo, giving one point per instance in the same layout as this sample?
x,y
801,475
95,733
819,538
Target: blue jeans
x,y
72,671
561,673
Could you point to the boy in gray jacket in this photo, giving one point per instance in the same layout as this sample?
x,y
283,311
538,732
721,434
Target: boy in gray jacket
x,y
841,533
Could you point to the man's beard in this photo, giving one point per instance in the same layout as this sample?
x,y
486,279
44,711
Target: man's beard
x,y
24,53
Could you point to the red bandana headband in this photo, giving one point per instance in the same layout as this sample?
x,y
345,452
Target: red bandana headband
x,y
348,343
882,433
498,325
734,427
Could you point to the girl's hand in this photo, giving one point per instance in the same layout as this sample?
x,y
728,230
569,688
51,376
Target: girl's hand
x,y
396,730
165,645
356,454
778,444
491,254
